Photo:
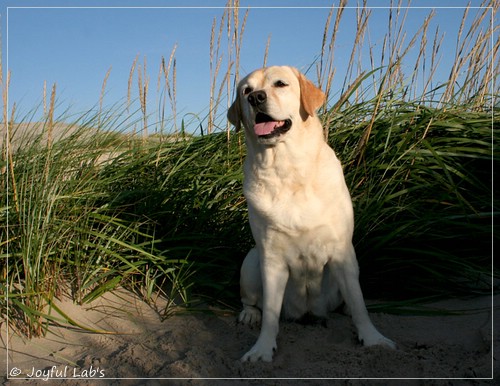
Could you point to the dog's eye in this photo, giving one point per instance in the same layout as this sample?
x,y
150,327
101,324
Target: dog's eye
x,y
280,83
247,90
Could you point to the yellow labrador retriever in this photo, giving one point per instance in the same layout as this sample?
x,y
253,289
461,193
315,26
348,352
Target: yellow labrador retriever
x,y
299,208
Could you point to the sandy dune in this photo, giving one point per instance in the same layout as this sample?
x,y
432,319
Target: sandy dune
x,y
208,345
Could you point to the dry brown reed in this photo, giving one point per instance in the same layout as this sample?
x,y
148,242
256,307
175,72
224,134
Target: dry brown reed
x,y
50,118
7,138
473,57
215,63
143,84
325,66
129,86
421,57
235,42
44,98
5,134
362,16
436,45
266,52
231,21
169,88
130,79
101,97
49,126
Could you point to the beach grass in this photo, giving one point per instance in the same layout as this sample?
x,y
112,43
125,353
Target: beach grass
x,y
108,200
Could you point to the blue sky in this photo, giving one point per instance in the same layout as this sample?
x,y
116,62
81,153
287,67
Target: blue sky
x,y
75,47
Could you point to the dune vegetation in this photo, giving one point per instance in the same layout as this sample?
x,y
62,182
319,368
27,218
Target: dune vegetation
x,y
98,201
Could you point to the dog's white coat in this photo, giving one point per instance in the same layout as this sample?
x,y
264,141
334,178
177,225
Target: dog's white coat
x,y
300,214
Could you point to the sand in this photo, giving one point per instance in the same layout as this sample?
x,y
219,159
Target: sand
x,y
140,349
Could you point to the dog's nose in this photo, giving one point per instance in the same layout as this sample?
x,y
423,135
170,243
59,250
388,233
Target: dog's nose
x,y
257,98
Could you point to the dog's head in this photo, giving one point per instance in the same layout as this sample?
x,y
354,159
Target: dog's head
x,y
271,101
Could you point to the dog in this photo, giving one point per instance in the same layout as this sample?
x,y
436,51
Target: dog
x,y
299,208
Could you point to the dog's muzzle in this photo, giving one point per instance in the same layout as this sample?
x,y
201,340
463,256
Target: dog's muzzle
x,y
257,98
266,126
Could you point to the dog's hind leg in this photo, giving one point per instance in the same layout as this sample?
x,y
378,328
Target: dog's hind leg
x,y
344,268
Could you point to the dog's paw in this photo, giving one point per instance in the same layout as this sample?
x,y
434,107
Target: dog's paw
x,y
250,315
377,339
259,351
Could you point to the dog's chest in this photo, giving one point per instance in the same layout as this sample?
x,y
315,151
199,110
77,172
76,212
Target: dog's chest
x,y
285,200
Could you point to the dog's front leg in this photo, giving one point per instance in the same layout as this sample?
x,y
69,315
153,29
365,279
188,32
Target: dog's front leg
x,y
346,273
274,279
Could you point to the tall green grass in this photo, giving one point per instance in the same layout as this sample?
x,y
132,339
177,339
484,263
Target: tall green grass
x,y
422,192
107,205
63,233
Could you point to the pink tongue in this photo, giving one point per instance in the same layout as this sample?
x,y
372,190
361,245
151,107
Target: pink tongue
x,y
266,128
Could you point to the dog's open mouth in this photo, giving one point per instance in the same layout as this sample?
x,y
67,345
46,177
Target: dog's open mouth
x,y
267,127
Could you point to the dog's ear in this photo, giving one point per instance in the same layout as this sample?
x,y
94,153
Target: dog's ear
x,y
311,97
234,113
